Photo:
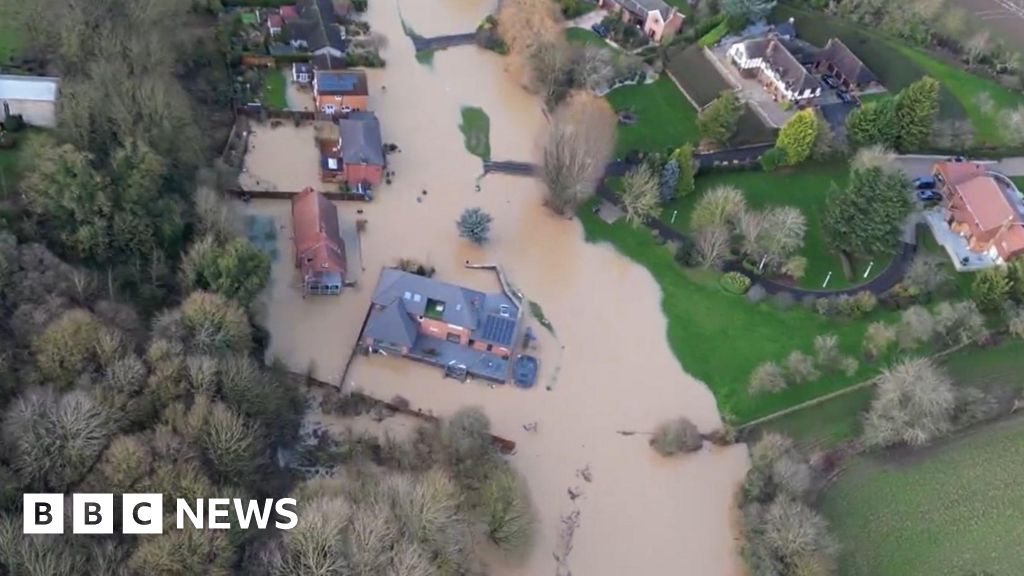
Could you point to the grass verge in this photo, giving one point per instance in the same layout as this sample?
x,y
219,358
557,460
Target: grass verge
x,y
476,132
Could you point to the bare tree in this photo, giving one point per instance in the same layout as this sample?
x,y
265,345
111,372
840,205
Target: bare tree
x,y
553,69
640,189
712,246
579,145
677,435
878,338
721,206
960,323
1013,125
595,67
524,23
875,156
767,377
977,46
771,236
916,327
913,404
800,367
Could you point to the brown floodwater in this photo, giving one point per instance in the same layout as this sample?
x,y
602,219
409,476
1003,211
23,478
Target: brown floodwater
x,y
609,369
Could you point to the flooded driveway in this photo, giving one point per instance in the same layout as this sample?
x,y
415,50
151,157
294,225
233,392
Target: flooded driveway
x,y
609,369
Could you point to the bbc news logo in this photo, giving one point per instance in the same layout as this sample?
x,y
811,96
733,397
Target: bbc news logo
x,y
144,513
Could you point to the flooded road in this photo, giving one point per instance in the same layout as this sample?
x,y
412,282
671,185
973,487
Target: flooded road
x,y
609,369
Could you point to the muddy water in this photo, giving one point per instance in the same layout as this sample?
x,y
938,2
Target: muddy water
x,y
610,368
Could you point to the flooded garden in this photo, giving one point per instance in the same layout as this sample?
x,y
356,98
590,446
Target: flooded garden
x,y
605,503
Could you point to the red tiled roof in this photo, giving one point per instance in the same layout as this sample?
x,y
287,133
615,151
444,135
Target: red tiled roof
x,y
318,243
289,13
275,21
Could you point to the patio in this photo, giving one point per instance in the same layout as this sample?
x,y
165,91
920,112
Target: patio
x,y
964,259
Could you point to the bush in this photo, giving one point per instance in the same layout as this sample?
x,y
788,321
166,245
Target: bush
x,y
878,338
675,436
735,283
826,306
773,159
767,377
756,294
856,306
800,367
916,327
14,123
990,288
686,253
506,508
783,300
913,404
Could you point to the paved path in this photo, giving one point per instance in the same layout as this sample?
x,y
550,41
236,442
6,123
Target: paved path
x,y
441,42
921,164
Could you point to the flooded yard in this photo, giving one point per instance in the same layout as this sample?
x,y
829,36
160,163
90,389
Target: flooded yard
x,y
609,369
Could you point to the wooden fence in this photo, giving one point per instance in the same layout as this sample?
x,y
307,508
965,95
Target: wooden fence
x,y
288,195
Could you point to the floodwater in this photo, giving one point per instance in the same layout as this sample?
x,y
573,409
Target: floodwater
x,y
609,370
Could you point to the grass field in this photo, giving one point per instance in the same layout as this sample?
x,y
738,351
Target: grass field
x,y
665,119
720,338
10,39
806,189
274,87
953,508
696,75
476,132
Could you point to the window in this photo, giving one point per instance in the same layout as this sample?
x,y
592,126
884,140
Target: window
x,y
490,347
453,337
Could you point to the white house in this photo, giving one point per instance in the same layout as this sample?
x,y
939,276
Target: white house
x,y
770,60
34,97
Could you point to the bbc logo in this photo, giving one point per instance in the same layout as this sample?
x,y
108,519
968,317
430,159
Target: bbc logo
x,y
93,513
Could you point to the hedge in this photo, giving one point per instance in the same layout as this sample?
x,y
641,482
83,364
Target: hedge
x,y
734,283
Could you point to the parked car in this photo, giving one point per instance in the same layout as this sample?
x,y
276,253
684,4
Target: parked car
x,y
958,159
844,96
928,196
830,80
924,183
600,29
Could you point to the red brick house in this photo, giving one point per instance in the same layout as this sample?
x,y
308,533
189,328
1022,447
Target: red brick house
x,y
659,21
337,91
979,208
319,249
358,157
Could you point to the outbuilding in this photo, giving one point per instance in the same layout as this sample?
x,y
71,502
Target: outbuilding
x,y
33,97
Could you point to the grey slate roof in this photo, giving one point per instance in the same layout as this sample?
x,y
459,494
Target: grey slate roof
x,y
461,304
848,64
392,324
645,6
792,72
318,26
361,140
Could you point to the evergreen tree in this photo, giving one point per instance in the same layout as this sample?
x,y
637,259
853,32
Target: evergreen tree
x,y
687,170
867,218
717,122
916,107
797,137
873,123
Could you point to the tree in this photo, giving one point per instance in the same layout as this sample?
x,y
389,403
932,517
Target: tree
x,y
1015,321
236,270
640,189
553,70
800,367
767,377
927,274
687,170
747,10
977,46
867,218
990,288
771,236
579,145
917,106
467,439
524,23
209,323
720,207
798,136
916,327
506,510
712,245
668,183
913,404
475,225
798,536
960,323
717,122
825,142
675,436
878,338
67,349
231,444
873,123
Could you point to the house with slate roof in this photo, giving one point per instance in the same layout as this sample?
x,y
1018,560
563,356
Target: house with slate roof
x,y
317,30
659,21
782,73
34,97
357,158
838,60
335,90
441,324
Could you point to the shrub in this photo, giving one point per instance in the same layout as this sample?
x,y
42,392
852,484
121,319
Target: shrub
x,y
475,225
675,436
783,300
913,404
878,338
856,306
826,351
773,159
758,293
826,306
735,283
990,288
916,327
1015,321
959,323
506,510
767,377
686,253
800,367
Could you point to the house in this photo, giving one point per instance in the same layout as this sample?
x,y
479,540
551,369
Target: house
x,y
782,73
336,90
328,62
275,24
981,208
289,13
442,324
319,249
33,97
317,29
658,20
838,60
358,157
302,73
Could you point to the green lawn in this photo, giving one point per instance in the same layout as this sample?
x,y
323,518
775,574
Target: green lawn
x,y
696,74
476,132
954,508
584,36
274,88
827,424
720,338
665,119
12,161
805,188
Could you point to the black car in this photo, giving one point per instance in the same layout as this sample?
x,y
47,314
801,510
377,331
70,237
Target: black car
x,y
600,29
924,183
844,96
928,196
830,80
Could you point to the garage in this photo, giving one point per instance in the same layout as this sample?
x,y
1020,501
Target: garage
x,y
33,97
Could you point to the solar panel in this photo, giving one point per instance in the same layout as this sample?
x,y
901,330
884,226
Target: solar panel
x,y
498,329
337,82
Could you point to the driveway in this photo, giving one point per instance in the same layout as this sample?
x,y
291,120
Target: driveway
x,y
835,114
921,165
587,20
